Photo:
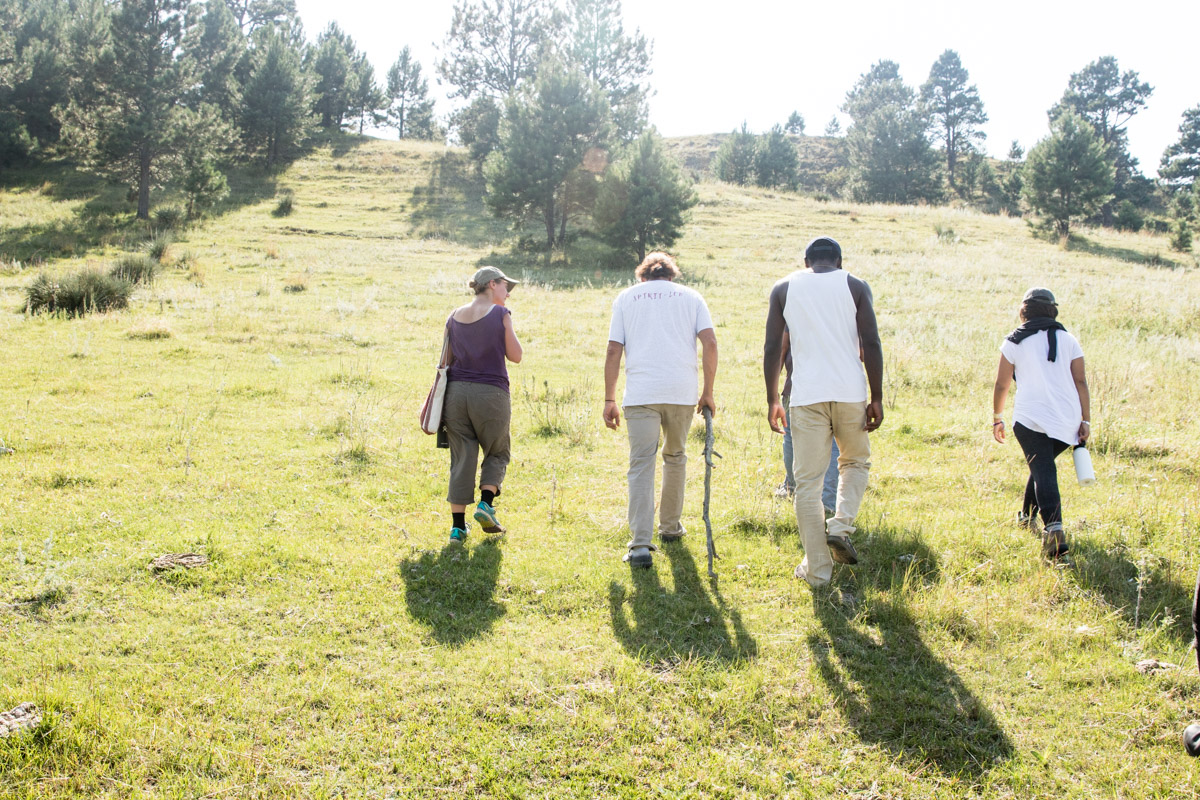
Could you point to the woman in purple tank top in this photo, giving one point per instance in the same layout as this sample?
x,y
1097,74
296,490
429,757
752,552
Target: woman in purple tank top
x,y
477,409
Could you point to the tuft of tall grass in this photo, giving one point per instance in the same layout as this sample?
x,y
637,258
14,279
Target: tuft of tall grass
x,y
285,206
136,268
160,245
77,294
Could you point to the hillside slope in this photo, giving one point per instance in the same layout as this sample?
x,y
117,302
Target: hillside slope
x,y
258,404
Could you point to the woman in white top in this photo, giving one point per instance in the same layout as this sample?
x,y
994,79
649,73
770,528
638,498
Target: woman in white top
x,y
1052,410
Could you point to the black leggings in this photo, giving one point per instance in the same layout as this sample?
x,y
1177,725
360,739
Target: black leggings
x,y
1041,491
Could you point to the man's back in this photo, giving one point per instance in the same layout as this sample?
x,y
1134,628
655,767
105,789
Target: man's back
x,y
657,323
821,314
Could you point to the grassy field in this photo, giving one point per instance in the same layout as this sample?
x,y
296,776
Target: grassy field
x,y
258,405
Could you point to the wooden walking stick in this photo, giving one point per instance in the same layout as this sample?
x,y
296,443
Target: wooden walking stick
x,y
709,452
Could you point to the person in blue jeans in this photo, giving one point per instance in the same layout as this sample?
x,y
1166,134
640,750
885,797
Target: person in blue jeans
x,y
788,487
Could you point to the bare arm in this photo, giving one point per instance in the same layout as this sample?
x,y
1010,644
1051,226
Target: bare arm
x,y
773,355
1004,377
612,368
872,349
708,344
1085,398
512,347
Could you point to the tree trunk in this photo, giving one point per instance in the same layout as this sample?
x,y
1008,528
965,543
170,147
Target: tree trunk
x,y
549,219
143,210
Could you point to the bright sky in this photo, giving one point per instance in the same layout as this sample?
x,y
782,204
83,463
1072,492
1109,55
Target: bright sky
x,y
717,64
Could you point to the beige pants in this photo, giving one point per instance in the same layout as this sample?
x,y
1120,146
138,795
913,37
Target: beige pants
x,y
644,424
813,428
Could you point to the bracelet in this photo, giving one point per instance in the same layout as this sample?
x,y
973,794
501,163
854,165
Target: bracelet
x,y
998,417
610,401
997,422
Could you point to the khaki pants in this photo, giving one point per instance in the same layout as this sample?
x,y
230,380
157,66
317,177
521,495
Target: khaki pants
x,y
813,429
644,424
477,417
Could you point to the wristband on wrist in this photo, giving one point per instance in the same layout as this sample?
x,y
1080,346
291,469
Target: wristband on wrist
x,y
998,417
997,422
610,401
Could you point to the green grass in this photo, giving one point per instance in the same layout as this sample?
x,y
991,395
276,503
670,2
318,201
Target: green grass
x,y
337,646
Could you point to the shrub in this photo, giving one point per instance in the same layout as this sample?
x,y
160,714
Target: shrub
x,y
284,207
1129,218
296,283
77,294
135,268
169,218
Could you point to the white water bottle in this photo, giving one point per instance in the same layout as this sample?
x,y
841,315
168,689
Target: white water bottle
x,y
1083,466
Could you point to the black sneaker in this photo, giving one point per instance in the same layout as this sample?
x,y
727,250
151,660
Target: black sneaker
x,y
639,557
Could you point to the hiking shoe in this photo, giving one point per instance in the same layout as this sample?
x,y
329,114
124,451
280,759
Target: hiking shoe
x,y
672,537
841,549
783,491
639,557
1028,521
458,535
485,515
1054,544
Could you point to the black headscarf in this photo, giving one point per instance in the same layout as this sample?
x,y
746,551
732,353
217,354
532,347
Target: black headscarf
x,y
1032,326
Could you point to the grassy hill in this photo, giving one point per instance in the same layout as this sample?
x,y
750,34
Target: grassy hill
x,y
258,405
820,157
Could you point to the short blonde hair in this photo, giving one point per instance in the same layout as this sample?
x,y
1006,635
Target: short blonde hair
x,y
656,266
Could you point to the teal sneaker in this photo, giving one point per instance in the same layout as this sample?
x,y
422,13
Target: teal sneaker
x,y
485,515
458,535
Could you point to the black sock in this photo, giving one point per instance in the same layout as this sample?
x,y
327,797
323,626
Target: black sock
x,y
487,496
460,519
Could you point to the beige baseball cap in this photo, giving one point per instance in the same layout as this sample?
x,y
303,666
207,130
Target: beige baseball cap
x,y
485,275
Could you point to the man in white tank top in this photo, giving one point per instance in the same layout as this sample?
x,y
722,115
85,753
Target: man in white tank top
x,y
831,321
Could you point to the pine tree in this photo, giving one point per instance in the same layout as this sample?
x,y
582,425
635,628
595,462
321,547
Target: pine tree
x,y
364,98
1068,175
1180,166
833,127
495,45
252,15
734,162
890,158
407,96
644,199
775,160
1108,99
333,64
954,108
134,125
34,68
276,113
547,129
216,47
1184,212
619,63
795,123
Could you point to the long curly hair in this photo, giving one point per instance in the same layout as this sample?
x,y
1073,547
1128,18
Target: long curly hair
x,y
656,266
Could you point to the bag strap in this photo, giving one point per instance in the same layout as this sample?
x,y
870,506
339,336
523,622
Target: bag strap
x,y
442,360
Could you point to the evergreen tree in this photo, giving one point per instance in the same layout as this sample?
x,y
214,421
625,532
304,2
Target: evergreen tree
x,y
1184,212
619,63
954,108
1068,175
407,96
34,70
216,47
833,127
276,115
134,126
1108,99
478,127
333,63
494,45
644,199
890,159
251,15
1180,166
364,98
734,162
548,128
775,160
795,123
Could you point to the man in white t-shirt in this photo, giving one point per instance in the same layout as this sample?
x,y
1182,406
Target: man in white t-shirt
x,y
655,324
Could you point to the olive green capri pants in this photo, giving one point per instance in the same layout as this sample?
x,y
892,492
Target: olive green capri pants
x,y
477,416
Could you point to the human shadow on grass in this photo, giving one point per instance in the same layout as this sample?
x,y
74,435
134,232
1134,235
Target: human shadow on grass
x,y
453,593
893,690
1166,587
688,622
449,205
